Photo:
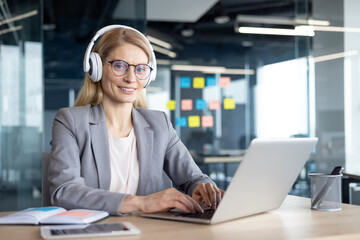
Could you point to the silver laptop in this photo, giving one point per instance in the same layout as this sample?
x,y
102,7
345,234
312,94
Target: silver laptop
x,y
261,182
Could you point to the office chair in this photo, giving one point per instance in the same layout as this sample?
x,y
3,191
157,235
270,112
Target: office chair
x,y
44,182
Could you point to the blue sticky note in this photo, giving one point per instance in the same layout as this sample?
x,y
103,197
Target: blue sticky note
x,y
210,81
44,209
185,82
200,104
181,121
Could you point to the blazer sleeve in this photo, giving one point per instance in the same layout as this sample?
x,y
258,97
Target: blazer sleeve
x,y
179,165
67,186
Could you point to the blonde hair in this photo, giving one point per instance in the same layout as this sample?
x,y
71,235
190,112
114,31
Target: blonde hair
x,y
92,92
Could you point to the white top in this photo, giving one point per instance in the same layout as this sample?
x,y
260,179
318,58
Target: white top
x,y
124,164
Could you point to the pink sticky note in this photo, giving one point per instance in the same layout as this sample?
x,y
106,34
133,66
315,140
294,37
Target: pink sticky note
x,y
225,82
186,104
74,214
214,104
207,121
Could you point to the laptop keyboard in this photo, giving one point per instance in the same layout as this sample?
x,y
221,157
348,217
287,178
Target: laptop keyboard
x,y
206,215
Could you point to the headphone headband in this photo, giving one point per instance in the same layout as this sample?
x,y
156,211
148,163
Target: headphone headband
x,y
88,65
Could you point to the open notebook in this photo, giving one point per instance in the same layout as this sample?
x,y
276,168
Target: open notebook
x,y
261,182
53,215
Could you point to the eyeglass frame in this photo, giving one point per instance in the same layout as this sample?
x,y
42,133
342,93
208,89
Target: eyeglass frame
x,y
129,65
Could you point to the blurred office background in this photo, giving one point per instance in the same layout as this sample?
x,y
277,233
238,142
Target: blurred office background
x,y
269,68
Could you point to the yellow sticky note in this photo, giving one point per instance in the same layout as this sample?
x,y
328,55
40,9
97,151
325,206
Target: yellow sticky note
x,y
194,121
171,104
198,82
229,103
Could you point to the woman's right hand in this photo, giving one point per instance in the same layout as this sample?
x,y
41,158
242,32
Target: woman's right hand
x,y
160,201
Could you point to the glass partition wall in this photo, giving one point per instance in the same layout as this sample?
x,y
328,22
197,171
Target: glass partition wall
x,y
255,85
304,82
21,99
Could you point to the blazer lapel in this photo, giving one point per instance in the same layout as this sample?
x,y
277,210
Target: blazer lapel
x,y
100,145
144,139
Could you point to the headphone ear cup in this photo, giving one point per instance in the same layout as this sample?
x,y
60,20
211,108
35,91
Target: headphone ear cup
x,y
95,71
153,64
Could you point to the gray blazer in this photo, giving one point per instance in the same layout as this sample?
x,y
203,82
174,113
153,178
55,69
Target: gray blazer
x,y
79,169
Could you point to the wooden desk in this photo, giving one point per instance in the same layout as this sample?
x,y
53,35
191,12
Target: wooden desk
x,y
293,220
354,175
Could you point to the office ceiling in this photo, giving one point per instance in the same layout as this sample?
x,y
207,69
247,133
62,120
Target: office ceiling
x,y
196,37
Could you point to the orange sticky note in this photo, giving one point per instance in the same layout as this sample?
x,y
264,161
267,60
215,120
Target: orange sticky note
x,y
171,104
74,214
225,82
214,104
194,121
198,82
186,104
229,103
207,121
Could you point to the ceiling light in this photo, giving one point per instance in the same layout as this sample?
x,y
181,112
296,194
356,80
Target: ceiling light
x,y
12,29
335,56
278,20
264,19
188,32
212,69
163,62
222,19
277,31
239,71
197,68
164,51
247,43
159,42
336,29
19,17
49,27
318,22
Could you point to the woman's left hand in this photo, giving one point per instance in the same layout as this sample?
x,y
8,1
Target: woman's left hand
x,y
208,193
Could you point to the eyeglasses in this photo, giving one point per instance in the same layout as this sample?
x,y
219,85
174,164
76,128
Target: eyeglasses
x,y
120,68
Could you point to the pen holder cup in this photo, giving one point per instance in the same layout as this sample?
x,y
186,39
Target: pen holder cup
x,y
325,191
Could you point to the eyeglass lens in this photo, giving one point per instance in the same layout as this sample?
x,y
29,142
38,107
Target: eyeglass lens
x,y
119,67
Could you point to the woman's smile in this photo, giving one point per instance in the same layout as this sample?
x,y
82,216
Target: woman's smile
x,y
127,90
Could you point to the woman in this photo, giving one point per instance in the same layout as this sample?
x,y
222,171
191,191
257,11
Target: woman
x,y
109,152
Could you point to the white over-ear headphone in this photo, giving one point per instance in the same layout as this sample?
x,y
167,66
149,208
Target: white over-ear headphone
x,y
92,61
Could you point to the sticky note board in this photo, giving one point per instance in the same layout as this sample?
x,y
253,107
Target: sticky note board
x,y
229,103
186,104
194,121
185,82
181,121
210,81
198,82
225,82
207,121
200,104
171,105
214,104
